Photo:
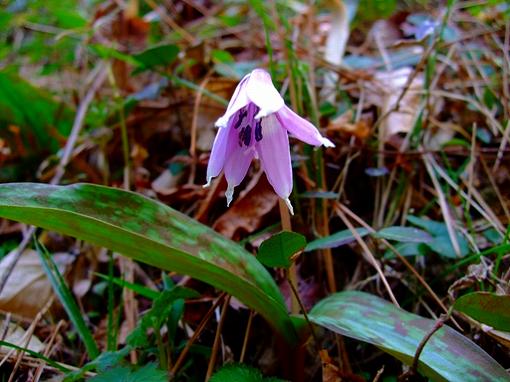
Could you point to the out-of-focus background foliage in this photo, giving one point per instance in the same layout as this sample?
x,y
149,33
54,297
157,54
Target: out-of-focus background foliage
x,y
412,205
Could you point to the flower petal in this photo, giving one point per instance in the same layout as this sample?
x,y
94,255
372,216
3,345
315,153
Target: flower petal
x,y
301,128
238,100
274,153
218,154
261,92
236,167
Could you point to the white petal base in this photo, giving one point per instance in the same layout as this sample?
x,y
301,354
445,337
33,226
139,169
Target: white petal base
x,y
209,180
229,194
221,122
289,206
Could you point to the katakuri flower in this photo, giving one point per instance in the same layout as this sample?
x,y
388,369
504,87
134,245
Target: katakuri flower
x,y
255,125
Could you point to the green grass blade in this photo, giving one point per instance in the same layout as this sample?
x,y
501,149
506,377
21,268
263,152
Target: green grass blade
x,y
66,298
111,342
37,355
150,232
138,289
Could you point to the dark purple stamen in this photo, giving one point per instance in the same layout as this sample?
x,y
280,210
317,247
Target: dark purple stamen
x,y
247,136
258,131
241,137
242,114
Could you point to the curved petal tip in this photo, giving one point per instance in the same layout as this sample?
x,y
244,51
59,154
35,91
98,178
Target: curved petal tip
x,y
229,194
326,142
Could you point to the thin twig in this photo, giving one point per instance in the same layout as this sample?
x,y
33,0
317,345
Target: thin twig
x,y
303,310
48,350
448,219
171,23
407,376
195,335
125,264
368,253
246,336
194,127
217,339
78,124
293,275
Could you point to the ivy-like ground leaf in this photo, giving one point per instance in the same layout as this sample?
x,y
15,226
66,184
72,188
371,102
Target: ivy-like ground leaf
x,y
447,356
278,249
150,232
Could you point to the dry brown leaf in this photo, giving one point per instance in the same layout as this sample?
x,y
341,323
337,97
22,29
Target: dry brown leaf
x,y
392,83
330,372
475,274
247,212
166,182
335,45
344,123
436,137
28,289
502,337
18,336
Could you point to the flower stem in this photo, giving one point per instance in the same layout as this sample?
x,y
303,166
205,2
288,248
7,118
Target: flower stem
x,y
292,276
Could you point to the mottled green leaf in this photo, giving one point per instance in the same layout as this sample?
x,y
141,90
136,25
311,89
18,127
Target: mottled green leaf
x,y
335,240
278,249
404,234
447,356
488,308
150,232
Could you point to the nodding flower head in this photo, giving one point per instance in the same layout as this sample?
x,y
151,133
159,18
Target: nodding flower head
x,y
256,125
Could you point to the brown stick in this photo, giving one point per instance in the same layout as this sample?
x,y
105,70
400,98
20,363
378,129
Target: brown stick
x,y
217,339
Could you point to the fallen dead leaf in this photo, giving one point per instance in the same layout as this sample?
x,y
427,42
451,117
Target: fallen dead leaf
x,y
248,210
393,83
330,372
343,123
166,182
502,337
28,289
17,335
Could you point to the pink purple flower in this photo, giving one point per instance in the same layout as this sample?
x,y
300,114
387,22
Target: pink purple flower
x,y
256,125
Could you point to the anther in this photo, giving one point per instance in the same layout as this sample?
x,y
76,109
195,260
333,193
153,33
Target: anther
x,y
258,131
247,136
242,114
